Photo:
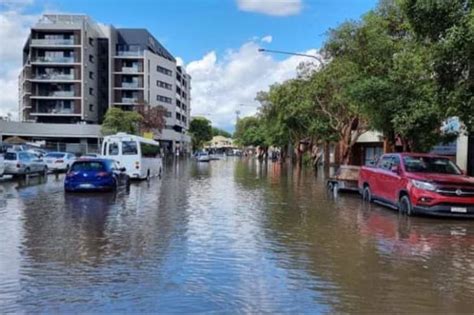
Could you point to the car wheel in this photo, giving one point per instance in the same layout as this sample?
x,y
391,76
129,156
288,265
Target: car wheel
x,y
367,194
148,175
405,205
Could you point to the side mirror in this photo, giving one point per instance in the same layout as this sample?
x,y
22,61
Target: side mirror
x,y
395,169
122,169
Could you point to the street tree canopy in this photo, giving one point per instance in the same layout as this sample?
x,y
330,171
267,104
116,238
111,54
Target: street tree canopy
x,y
201,131
117,120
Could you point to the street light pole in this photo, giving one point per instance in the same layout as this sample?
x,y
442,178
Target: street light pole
x,y
290,53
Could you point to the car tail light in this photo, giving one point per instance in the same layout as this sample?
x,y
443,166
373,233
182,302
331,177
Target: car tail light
x,y
71,174
137,165
59,161
102,174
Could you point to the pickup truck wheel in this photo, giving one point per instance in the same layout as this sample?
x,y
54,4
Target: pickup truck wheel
x,y
367,194
405,205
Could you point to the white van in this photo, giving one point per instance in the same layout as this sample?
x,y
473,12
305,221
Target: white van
x,y
141,157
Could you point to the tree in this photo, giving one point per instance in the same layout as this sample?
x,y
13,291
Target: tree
x,y
219,132
201,131
249,131
153,118
447,29
117,120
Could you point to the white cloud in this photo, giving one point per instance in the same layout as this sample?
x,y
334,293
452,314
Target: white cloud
x,y
271,7
14,30
267,39
220,85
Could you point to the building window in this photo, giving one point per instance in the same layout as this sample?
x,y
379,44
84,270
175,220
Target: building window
x,y
91,41
178,116
184,107
168,114
183,118
91,91
91,75
178,103
164,85
91,58
184,95
164,70
91,107
163,99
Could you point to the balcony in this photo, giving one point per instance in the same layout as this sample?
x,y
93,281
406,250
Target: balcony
x,y
53,42
131,85
57,108
54,60
56,94
130,70
54,76
130,100
129,53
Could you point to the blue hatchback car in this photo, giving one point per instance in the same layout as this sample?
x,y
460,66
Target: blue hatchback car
x,y
95,174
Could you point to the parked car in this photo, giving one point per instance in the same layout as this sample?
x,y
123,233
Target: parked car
x,y
203,157
38,152
59,161
90,156
95,174
419,183
23,163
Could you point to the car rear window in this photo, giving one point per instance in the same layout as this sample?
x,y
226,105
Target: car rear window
x,y
55,155
88,166
10,156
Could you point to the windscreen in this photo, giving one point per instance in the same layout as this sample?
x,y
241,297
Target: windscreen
x,y
88,166
423,164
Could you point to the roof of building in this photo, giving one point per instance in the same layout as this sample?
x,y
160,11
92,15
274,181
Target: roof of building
x,y
143,38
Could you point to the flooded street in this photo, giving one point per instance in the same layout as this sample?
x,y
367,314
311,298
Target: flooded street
x,y
226,236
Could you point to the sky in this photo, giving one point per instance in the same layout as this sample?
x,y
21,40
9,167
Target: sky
x,y
216,40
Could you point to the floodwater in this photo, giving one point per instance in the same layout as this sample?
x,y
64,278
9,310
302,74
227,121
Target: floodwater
x,y
227,236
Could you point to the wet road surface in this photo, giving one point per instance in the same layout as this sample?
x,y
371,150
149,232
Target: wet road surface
x,y
226,236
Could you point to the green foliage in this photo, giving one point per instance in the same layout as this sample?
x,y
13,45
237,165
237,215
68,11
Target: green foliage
x,y
250,131
446,28
201,131
220,132
117,120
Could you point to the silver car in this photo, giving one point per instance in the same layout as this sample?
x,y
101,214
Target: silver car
x,y
22,163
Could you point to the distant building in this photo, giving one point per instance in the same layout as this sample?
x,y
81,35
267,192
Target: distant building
x,y
75,69
220,142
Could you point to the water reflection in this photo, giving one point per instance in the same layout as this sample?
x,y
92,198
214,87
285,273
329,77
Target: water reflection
x,y
227,236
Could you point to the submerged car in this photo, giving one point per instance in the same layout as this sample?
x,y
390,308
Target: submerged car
x,y
59,161
23,163
203,157
95,174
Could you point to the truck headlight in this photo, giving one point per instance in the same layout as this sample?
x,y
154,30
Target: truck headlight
x,y
423,185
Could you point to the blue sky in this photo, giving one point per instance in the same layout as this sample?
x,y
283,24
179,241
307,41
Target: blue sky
x,y
217,40
192,28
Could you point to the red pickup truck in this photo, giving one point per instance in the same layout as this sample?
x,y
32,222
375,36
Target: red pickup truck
x,y
418,183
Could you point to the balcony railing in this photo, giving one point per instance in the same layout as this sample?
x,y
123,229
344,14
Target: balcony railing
x,y
54,110
132,85
55,59
52,41
54,76
130,69
129,53
131,100
57,94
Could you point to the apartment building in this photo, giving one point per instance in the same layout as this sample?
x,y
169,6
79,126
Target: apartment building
x,y
75,69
